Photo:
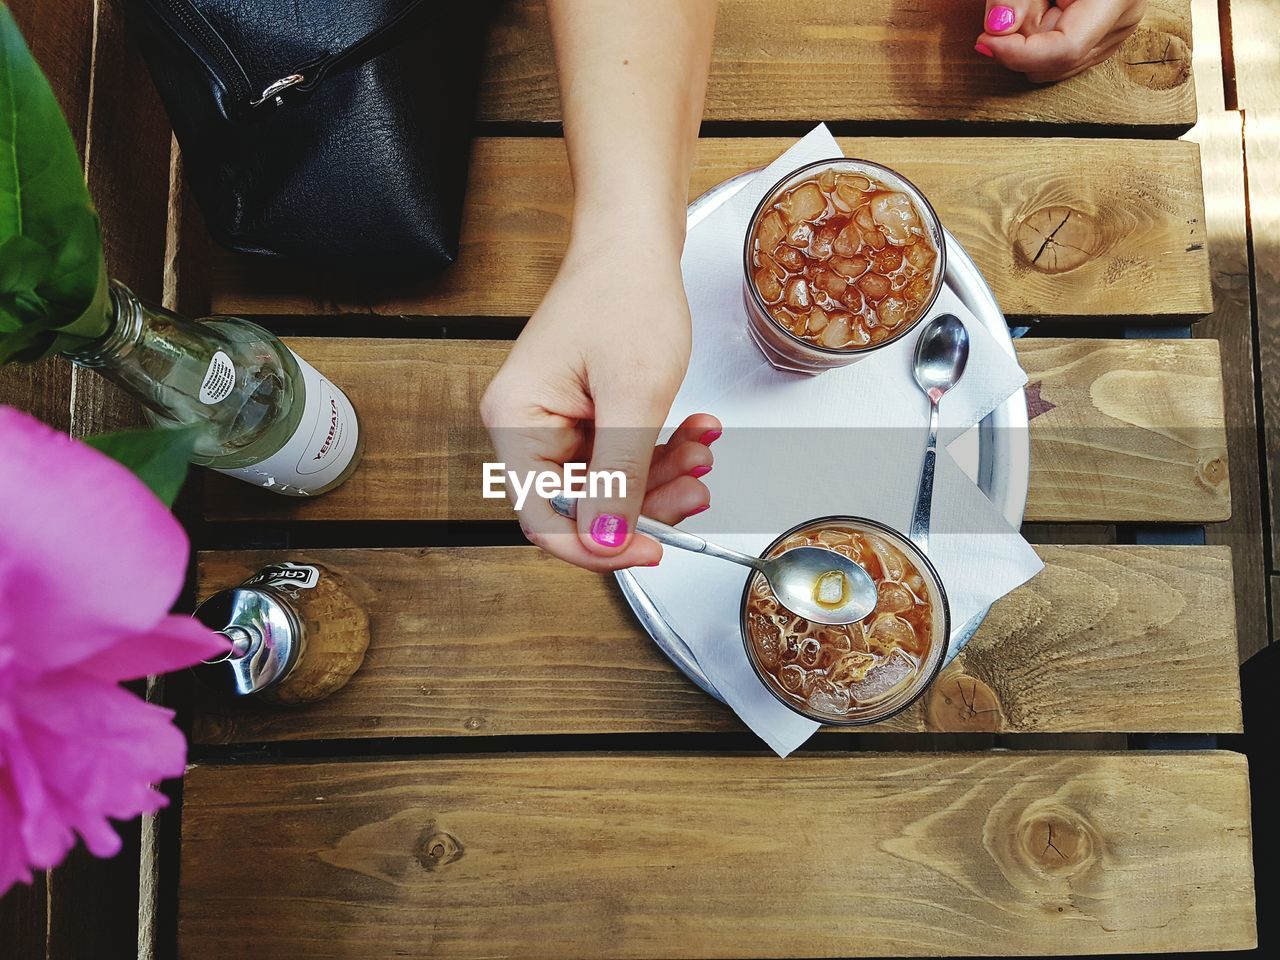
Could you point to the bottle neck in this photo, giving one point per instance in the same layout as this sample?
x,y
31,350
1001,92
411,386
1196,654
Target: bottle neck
x,y
128,320
154,354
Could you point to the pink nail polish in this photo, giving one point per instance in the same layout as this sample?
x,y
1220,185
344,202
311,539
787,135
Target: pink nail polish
x,y
699,472
654,564
983,49
609,530
705,506
1000,19
710,437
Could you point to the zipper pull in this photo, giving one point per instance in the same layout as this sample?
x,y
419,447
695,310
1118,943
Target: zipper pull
x,y
274,91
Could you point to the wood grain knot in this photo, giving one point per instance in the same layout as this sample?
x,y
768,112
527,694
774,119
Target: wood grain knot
x,y
474,723
1212,472
1056,841
1155,59
438,849
1057,238
961,703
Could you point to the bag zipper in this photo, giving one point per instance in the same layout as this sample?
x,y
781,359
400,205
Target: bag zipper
x,y
225,67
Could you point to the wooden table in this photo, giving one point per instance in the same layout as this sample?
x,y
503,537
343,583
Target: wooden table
x,y
517,770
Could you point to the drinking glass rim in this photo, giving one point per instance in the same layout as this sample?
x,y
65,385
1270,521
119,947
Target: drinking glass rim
x,y
918,556
916,194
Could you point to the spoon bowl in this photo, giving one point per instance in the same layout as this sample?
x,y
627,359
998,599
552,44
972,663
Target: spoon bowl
x,y
812,582
821,585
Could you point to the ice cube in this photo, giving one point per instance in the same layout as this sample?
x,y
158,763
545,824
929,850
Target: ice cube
x,y
801,235
768,640
771,230
862,217
893,565
836,332
805,202
828,698
851,268
830,588
921,255
817,318
809,652
895,214
894,598
892,312
821,246
890,632
874,286
874,239
768,285
847,241
791,678
798,294
882,678
791,258
887,260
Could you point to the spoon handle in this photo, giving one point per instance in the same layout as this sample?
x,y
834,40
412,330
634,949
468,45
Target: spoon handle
x,y
668,535
919,533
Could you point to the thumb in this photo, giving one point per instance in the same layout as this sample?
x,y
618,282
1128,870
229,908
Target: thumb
x,y
620,455
1005,16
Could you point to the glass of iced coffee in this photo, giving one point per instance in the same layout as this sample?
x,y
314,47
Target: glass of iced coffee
x,y
862,672
842,257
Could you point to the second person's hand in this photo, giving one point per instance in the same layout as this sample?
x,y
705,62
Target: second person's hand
x,y
1053,42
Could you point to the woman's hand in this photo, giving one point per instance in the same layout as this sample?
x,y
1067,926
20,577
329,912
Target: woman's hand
x,y
1055,41
591,380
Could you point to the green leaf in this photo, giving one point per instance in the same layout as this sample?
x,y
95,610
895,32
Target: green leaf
x,y
159,457
44,205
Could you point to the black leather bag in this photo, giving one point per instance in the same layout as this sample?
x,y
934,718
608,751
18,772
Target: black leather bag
x,y
331,133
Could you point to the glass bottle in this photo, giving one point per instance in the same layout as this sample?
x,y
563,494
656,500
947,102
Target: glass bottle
x,y
264,415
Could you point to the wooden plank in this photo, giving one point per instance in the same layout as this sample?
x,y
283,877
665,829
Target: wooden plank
x,y
1220,135
1137,431
1255,50
1132,244
504,640
127,156
1125,430
868,60
711,856
1262,150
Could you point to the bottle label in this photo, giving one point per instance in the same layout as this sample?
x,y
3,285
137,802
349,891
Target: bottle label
x,y
285,574
321,447
219,380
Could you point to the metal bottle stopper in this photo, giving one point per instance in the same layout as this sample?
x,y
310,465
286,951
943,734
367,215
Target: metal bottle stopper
x,y
266,640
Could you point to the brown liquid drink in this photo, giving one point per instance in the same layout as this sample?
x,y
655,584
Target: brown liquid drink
x,y
842,256
861,672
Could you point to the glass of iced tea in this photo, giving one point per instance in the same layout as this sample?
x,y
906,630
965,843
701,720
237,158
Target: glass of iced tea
x,y
842,257
862,672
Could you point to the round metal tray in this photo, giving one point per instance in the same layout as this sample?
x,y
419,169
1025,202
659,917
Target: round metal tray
x,y
1000,465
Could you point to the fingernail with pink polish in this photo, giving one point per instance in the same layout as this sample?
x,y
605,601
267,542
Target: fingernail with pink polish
x,y
654,564
983,49
609,530
1000,19
699,472
710,437
705,506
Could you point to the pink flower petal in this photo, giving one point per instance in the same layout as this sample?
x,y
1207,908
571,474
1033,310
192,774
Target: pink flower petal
x,y
176,642
91,555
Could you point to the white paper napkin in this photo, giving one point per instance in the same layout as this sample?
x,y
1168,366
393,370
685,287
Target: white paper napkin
x,y
795,447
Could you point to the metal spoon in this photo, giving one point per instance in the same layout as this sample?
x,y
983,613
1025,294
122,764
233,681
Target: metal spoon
x,y
812,582
941,354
